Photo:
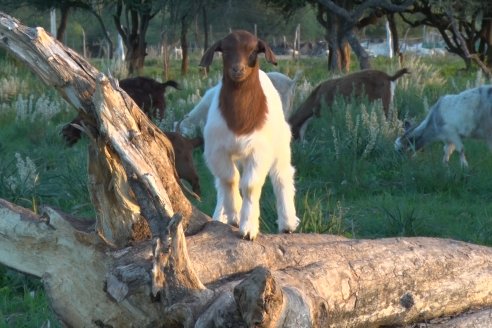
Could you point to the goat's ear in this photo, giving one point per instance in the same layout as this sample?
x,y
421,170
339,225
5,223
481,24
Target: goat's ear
x,y
265,48
208,56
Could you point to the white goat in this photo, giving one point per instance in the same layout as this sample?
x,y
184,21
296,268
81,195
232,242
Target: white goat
x,y
465,115
246,129
196,118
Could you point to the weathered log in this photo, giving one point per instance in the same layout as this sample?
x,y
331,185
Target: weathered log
x,y
136,177
300,280
136,268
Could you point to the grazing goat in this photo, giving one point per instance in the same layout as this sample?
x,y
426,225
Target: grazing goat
x,y
372,83
196,118
465,115
246,129
148,94
183,155
182,146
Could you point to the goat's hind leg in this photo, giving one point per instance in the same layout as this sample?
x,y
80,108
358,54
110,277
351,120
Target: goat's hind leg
x,y
449,148
252,180
282,177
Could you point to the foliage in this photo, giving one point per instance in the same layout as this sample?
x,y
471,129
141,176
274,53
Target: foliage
x,y
463,26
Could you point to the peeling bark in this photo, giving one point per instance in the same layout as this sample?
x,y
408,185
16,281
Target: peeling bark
x,y
133,266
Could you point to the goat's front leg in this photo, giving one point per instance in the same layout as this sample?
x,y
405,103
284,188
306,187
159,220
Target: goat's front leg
x,y
448,151
219,213
253,178
227,185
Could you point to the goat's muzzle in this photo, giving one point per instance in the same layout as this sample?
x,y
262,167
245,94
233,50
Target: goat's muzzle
x,y
237,73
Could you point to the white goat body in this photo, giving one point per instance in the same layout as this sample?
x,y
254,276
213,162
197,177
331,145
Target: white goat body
x,y
195,119
464,115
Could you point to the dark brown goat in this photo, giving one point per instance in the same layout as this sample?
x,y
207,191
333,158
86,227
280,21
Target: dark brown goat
x,y
148,94
183,152
183,155
373,84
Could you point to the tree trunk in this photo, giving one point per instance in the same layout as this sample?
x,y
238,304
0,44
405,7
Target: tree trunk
x,y
205,28
135,54
360,52
184,45
137,268
394,34
62,27
165,56
133,36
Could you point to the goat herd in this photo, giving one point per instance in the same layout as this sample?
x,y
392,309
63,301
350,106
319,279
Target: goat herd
x,y
248,126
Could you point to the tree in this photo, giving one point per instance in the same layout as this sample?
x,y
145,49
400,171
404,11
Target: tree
x,y
138,268
341,18
65,6
184,13
132,19
464,27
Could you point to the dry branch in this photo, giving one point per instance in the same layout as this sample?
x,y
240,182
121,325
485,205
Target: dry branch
x,y
136,268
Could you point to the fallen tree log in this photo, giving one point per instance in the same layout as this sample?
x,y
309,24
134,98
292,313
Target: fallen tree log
x,y
137,268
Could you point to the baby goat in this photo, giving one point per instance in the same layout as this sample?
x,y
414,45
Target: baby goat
x,y
465,115
246,129
372,83
196,118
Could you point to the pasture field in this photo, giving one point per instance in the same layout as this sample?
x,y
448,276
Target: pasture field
x,y
349,179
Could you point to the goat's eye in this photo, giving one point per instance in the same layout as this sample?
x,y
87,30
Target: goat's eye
x,y
252,58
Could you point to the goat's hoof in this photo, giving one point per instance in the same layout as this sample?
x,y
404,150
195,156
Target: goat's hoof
x,y
248,236
288,226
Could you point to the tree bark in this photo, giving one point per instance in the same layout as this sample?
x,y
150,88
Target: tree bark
x,y
134,34
62,27
184,44
136,268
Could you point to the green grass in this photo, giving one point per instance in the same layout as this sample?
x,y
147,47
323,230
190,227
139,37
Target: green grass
x,y
349,180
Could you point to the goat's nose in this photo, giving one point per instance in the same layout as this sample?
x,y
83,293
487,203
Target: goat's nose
x,y
238,69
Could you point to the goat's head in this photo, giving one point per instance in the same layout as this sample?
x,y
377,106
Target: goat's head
x,y
407,140
240,51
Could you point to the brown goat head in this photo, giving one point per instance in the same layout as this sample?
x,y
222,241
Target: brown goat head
x,y
240,51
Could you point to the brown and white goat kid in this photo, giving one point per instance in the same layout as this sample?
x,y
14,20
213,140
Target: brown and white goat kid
x,y
371,83
246,130
464,115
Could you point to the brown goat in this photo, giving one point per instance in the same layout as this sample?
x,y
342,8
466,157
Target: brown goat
x,y
148,94
183,152
183,155
373,84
